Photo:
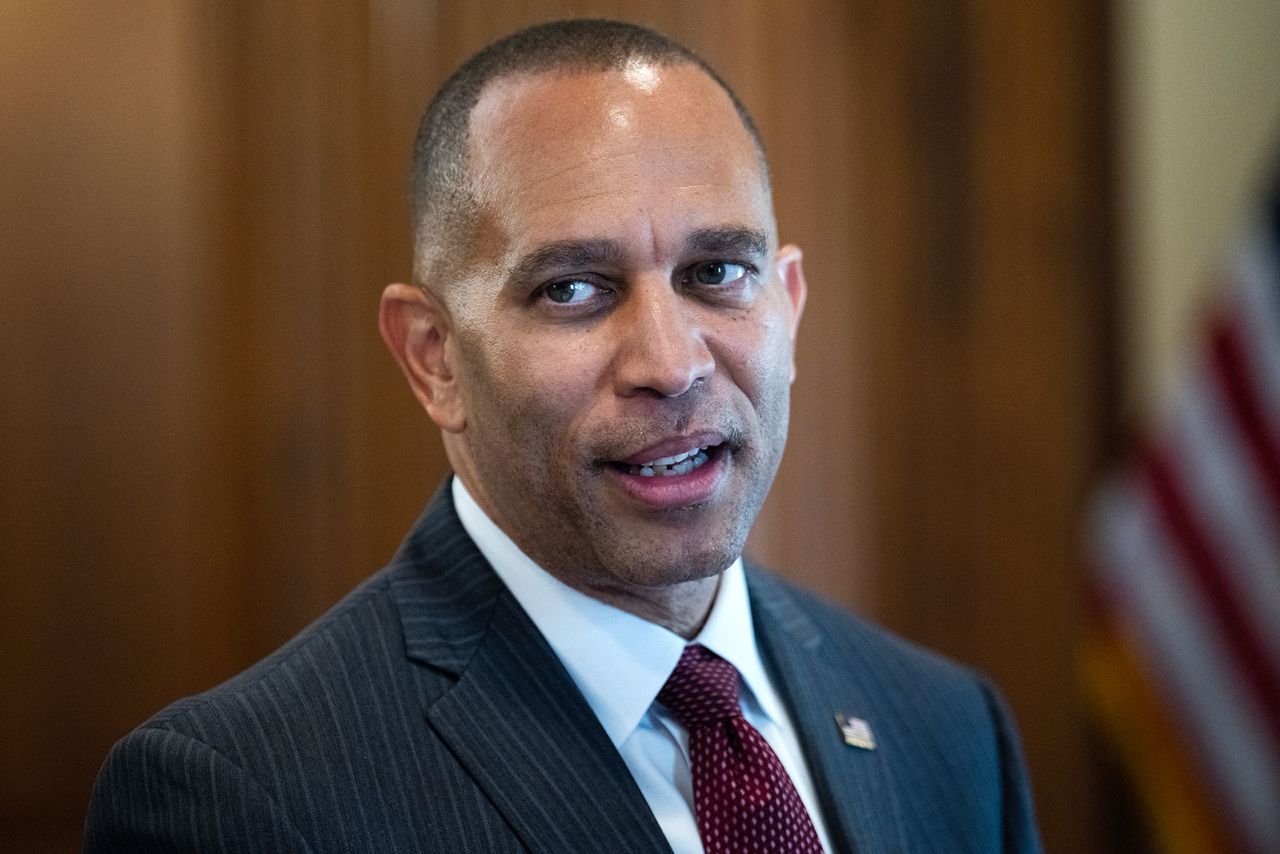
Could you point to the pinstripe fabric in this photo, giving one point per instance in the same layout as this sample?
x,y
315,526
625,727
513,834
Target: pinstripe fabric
x,y
426,713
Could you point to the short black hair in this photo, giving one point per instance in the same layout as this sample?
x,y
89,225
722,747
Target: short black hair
x,y
442,204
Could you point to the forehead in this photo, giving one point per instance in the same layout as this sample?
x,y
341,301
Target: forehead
x,y
558,155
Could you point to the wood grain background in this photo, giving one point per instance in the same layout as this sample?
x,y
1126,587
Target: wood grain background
x,y
203,444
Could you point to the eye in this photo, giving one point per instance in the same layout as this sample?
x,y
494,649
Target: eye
x,y
570,291
719,272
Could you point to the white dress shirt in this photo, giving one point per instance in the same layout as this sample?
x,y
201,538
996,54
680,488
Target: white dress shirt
x,y
620,661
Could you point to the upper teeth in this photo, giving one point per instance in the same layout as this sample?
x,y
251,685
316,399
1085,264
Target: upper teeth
x,y
678,458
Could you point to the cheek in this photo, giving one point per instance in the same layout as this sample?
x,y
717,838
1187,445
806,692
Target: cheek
x,y
538,391
757,351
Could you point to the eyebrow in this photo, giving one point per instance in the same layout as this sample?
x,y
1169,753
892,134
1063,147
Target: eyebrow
x,y
731,240
602,252
567,255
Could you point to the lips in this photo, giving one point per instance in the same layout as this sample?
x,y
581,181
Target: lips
x,y
677,472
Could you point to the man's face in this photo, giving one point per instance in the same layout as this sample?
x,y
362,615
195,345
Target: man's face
x,y
622,338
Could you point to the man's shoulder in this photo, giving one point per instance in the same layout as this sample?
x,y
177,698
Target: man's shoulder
x,y
322,739
423,605
852,641
946,739
357,641
331,710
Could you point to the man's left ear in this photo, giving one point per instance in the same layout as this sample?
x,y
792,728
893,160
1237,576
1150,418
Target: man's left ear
x,y
791,271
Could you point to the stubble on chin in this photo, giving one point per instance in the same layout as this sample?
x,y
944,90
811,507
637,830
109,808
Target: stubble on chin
x,y
694,544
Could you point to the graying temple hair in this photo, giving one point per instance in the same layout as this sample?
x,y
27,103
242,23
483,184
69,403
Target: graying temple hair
x,y
443,206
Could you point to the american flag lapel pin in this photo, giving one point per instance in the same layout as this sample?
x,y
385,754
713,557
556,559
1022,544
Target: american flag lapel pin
x,y
856,732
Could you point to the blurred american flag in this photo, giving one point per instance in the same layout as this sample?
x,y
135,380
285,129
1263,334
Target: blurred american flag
x,y
1183,658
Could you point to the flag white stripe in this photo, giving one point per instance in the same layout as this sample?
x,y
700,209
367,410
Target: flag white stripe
x,y
1256,271
1160,611
1229,502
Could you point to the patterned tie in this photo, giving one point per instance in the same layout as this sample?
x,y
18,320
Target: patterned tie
x,y
744,800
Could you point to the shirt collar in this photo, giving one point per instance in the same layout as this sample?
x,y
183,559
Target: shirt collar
x,y
618,661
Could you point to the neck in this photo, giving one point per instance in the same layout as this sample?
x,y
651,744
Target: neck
x,y
682,608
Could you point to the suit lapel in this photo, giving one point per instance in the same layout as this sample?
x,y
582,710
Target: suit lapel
x,y
855,785
514,718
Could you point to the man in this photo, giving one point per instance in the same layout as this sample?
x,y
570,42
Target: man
x,y
567,653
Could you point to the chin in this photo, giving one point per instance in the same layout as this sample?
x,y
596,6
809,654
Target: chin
x,y
669,567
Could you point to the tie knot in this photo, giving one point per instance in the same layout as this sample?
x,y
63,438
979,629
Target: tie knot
x,y
702,690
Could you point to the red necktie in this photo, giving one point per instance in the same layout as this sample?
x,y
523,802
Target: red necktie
x,y
744,800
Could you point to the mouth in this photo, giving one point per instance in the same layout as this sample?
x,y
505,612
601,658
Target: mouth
x,y
674,465
682,472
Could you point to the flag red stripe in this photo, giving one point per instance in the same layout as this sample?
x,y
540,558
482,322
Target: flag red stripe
x,y
1232,367
1246,646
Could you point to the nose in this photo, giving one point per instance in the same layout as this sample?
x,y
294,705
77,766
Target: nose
x,y
661,347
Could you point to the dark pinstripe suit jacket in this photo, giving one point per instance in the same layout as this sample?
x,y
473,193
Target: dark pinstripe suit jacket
x,y
425,712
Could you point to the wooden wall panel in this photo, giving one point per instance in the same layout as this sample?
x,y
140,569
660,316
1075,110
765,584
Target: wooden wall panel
x,y
204,443
986,150
108,603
